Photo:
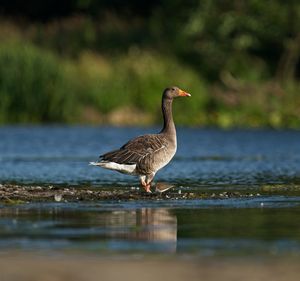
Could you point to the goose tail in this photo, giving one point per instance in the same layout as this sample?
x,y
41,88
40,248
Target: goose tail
x,y
96,164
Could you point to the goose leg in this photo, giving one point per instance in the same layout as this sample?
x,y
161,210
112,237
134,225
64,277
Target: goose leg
x,y
148,188
149,179
144,184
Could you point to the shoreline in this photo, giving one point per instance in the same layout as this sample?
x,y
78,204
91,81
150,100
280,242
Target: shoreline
x,y
18,194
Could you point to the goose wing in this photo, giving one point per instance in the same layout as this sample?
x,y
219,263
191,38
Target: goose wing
x,y
136,150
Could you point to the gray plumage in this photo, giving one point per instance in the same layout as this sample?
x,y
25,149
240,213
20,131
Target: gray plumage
x,y
148,152
145,155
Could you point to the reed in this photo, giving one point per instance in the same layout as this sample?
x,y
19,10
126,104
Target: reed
x,y
39,86
33,85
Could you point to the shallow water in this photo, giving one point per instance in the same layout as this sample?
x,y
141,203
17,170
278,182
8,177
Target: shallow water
x,y
61,155
264,164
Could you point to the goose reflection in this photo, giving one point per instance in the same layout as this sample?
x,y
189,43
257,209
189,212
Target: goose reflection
x,y
141,229
153,226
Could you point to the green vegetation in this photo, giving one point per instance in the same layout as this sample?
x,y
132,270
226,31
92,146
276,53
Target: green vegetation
x,y
238,59
37,86
32,85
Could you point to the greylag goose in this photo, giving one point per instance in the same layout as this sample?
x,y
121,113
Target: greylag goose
x,y
143,156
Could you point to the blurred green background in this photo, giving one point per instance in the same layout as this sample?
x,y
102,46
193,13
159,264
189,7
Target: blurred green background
x,y
107,62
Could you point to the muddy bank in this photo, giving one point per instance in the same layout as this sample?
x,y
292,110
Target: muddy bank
x,y
10,193
88,268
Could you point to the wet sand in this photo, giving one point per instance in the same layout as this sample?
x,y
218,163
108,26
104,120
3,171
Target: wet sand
x,y
34,267
14,194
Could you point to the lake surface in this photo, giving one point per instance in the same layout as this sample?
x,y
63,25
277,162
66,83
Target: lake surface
x,y
263,164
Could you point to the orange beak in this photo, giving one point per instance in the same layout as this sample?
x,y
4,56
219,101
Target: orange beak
x,y
183,94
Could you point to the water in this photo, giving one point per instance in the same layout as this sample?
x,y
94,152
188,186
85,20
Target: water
x,y
61,155
264,164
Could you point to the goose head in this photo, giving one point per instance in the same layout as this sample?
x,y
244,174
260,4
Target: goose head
x,y
174,92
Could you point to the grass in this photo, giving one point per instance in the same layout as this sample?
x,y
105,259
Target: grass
x,y
33,85
38,86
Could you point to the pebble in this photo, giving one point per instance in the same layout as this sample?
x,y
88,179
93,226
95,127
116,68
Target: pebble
x,y
57,197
